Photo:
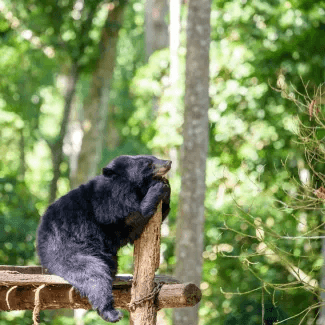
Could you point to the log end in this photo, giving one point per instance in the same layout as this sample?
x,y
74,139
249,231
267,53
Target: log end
x,y
192,294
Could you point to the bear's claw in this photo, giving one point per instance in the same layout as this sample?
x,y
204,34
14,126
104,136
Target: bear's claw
x,y
112,316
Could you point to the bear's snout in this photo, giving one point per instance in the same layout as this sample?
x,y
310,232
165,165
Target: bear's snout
x,y
162,168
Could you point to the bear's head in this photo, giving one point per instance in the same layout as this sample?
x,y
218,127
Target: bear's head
x,y
139,170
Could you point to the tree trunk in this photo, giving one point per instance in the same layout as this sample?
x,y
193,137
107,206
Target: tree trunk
x,y
174,40
146,262
96,108
57,146
156,27
174,71
190,221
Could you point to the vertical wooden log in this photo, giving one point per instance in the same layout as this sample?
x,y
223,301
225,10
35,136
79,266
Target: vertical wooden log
x,y
146,261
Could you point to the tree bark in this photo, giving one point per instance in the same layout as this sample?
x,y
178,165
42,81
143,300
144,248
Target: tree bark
x,y
96,108
190,221
146,261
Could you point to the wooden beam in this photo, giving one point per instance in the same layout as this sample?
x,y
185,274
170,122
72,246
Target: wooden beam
x,y
56,296
18,285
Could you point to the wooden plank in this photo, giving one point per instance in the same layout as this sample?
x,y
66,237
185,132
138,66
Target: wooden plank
x,y
13,275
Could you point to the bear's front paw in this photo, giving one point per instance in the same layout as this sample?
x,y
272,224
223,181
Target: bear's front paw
x,y
161,192
112,316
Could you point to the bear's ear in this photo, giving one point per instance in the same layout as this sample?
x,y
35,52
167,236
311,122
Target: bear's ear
x,y
107,171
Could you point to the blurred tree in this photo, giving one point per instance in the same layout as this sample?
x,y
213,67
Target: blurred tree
x,y
96,106
174,40
156,27
190,221
174,69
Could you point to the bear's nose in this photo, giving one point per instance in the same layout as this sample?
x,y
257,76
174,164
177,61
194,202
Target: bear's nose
x,y
168,164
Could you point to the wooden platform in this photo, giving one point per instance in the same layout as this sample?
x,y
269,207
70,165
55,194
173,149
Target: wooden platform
x,y
19,283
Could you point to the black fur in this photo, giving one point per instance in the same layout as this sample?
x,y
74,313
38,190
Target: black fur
x,y
80,234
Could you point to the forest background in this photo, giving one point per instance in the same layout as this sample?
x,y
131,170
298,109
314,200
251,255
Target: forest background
x,y
262,253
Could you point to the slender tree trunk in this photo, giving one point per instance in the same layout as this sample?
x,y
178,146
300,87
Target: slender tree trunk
x,y
174,71
174,39
57,146
96,108
156,27
190,221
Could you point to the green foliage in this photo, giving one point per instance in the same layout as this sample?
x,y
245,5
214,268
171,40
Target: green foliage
x,y
253,153
18,219
38,41
73,29
255,45
20,87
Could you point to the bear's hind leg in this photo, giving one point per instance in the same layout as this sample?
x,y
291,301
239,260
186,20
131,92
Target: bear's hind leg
x,y
93,277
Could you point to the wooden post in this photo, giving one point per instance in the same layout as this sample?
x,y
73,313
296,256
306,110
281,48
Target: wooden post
x,y
146,261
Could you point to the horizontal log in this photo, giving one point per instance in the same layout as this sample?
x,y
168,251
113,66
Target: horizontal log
x,y
65,296
18,285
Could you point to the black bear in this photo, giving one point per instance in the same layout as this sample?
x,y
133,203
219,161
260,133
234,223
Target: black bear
x,y
80,233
